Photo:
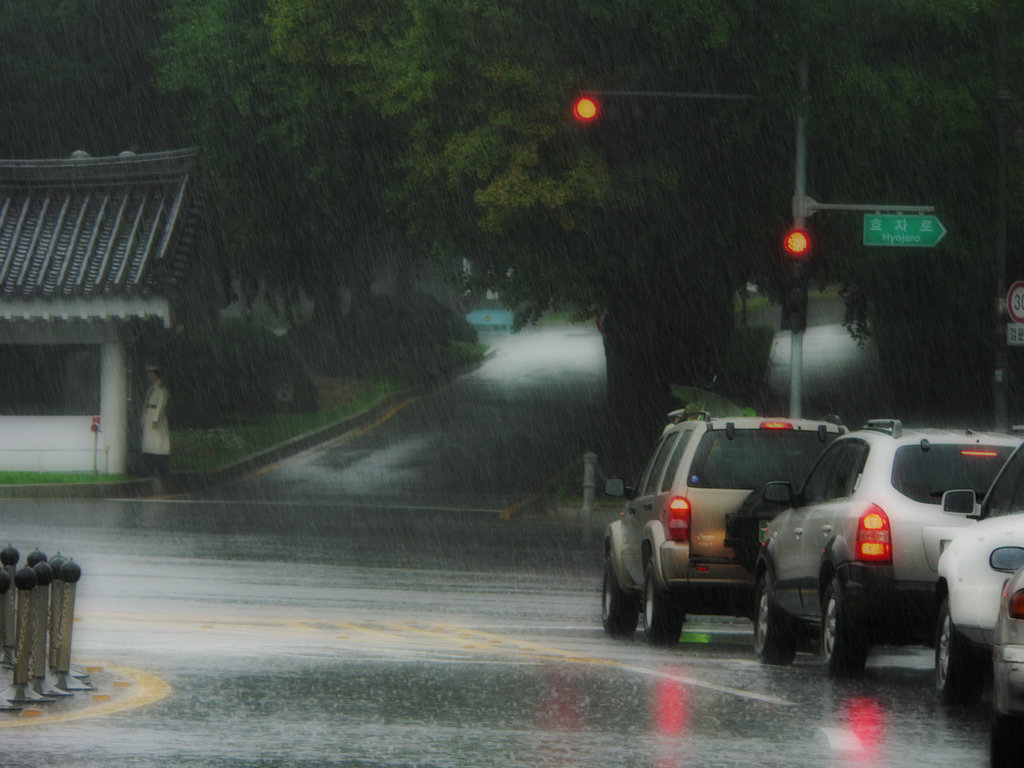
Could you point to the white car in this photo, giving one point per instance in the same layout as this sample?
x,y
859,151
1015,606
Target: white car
x,y
1008,677
972,570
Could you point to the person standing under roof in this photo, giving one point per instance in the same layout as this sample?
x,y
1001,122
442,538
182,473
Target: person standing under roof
x,y
156,431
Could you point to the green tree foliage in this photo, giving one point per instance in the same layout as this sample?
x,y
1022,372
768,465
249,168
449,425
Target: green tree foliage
x,y
77,74
337,133
652,217
903,113
297,167
662,208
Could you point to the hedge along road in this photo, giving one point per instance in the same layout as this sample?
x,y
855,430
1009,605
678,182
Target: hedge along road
x,y
366,604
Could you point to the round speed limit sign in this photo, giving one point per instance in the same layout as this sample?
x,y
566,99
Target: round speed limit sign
x,y
1015,301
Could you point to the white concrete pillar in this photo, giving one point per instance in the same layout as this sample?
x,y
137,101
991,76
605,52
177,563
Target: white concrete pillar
x,y
113,442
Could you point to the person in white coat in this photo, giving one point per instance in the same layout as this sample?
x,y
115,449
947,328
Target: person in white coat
x,y
156,431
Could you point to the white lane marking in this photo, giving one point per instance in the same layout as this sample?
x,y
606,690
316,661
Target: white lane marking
x,y
841,740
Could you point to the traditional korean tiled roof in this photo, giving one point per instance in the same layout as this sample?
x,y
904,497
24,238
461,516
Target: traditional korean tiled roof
x,y
81,233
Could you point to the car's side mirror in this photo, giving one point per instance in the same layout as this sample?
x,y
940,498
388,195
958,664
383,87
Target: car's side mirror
x,y
1006,559
960,502
778,492
615,486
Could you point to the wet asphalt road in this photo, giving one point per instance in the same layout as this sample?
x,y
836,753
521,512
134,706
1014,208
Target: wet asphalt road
x,y
388,600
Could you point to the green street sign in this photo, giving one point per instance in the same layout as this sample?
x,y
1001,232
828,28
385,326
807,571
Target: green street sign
x,y
902,231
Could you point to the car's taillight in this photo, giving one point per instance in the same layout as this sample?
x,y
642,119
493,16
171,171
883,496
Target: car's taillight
x,y
874,544
1017,605
980,453
679,519
776,424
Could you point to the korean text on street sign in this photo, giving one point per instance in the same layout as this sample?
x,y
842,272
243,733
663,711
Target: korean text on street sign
x,y
1015,334
902,231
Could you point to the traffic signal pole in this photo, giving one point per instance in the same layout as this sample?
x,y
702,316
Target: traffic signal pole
x,y
796,343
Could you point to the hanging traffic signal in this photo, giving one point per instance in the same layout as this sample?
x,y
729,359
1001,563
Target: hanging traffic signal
x,y
797,243
585,109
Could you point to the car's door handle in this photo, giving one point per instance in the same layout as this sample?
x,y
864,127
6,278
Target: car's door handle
x,y
826,528
648,507
798,532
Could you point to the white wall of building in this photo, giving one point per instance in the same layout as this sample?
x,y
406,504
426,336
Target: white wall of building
x,y
51,444
68,443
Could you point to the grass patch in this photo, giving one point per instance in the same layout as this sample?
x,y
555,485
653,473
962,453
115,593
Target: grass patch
x,y
239,437
195,450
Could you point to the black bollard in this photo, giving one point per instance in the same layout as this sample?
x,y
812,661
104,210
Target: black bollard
x,y
5,587
35,557
20,692
9,560
38,679
68,575
56,608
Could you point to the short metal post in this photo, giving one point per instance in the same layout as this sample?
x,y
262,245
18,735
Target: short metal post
x,y
56,598
20,692
9,560
69,575
5,587
40,619
38,595
589,484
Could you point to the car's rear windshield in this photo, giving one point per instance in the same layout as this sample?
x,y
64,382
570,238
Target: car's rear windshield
x,y
925,474
753,457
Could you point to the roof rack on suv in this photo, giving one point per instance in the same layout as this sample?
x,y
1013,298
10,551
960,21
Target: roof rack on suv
x,y
892,427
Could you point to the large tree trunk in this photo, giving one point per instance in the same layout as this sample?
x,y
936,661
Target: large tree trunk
x,y
657,335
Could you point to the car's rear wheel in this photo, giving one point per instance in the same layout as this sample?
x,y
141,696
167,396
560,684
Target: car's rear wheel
x,y
958,665
662,617
619,614
774,640
844,646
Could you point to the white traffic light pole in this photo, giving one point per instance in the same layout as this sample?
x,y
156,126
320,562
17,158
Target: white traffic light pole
x,y
796,343
803,207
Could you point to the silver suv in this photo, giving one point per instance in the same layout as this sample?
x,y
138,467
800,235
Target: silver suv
x,y
668,555
853,559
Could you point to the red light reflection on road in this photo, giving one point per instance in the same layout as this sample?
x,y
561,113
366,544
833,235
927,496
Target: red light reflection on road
x,y
669,716
561,707
866,722
562,716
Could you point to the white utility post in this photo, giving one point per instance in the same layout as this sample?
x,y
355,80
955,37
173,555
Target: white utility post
x,y
796,344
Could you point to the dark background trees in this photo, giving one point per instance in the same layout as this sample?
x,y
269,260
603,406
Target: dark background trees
x,y
336,135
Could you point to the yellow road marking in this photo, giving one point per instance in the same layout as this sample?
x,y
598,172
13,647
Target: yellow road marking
x,y
479,641
146,689
341,439
509,512
364,630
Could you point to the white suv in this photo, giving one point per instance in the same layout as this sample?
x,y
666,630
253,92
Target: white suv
x,y
667,555
853,559
972,571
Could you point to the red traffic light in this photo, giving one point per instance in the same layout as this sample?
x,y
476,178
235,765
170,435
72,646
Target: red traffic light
x,y
797,242
585,109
